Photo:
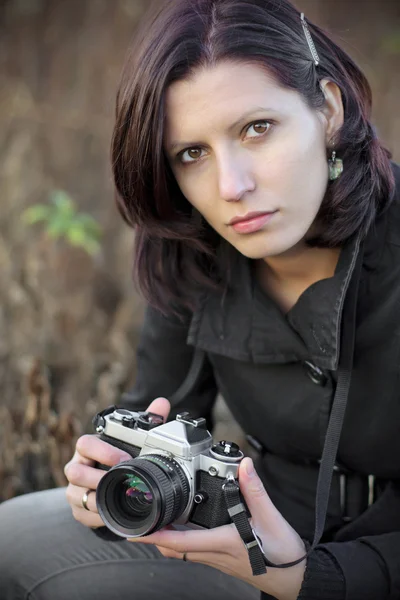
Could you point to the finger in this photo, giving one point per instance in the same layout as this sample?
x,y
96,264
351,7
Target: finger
x,y
90,446
89,519
83,476
77,458
212,559
219,539
75,495
258,501
170,553
160,406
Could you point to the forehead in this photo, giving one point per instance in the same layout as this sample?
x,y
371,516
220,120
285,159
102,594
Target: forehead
x,y
216,96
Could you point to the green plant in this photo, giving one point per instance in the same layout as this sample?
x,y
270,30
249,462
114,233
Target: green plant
x,y
62,220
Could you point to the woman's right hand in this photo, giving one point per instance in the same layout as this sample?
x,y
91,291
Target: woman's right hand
x,y
83,476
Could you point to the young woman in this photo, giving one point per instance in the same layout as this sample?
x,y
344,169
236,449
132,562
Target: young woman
x,y
267,231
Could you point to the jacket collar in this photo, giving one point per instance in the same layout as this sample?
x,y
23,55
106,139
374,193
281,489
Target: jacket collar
x,y
248,326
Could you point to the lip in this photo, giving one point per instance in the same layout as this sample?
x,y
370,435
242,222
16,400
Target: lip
x,y
251,222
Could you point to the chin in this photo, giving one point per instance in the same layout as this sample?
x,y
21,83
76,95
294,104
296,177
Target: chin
x,y
261,251
272,243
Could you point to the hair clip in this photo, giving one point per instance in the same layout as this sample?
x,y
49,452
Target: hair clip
x,y
309,39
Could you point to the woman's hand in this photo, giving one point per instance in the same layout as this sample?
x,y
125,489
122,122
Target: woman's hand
x,y
83,476
223,549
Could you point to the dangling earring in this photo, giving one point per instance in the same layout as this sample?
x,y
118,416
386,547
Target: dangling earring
x,y
335,166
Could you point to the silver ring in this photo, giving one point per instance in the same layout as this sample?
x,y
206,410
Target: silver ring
x,y
85,499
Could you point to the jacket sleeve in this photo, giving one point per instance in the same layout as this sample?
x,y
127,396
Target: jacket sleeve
x,y
163,361
369,566
363,561
363,569
365,554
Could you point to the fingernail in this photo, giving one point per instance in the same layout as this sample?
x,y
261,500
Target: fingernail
x,y
124,458
250,468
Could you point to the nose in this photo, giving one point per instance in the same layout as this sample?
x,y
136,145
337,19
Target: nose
x,y
234,179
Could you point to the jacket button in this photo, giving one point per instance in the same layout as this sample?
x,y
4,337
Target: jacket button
x,y
316,375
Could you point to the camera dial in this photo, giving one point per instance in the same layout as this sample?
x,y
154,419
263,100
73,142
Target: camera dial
x,y
228,451
121,413
149,420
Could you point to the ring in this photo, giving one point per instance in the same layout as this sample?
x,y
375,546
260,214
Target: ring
x,y
85,499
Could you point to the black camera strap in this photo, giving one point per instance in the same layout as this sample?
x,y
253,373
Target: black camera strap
x,y
190,379
236,508
238,513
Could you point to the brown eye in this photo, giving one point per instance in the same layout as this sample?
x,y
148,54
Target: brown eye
x,y
260,127
192,155
196,153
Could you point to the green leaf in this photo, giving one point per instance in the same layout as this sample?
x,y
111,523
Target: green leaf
x,y
63,220
76,236
63,203
35,214
91,246
57,227
89,224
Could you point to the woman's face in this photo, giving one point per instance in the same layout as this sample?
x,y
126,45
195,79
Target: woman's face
x,y
244,145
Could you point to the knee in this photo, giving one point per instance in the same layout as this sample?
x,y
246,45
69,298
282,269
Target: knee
x,y
17,516
11,547
27,517
12,515
25,535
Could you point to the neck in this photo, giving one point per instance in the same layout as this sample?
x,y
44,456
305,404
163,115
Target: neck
x,y
302,264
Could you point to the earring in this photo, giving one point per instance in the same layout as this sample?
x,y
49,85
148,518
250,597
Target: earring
x,y
335,166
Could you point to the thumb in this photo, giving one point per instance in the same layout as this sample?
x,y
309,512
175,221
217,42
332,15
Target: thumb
x,y
160,406
254,493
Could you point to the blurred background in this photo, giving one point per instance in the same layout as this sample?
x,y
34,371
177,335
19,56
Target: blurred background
x,y
69,313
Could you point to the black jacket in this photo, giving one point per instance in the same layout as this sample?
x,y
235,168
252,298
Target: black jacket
x,y
277,374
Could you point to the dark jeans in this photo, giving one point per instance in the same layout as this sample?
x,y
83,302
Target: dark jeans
x,y
46,555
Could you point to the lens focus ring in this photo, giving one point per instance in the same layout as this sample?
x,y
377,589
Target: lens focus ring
x,y
175,493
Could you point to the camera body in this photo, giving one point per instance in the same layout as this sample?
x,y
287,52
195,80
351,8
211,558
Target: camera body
x,y
177,471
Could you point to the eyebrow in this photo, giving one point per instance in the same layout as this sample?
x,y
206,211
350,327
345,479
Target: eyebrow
x,y
174,145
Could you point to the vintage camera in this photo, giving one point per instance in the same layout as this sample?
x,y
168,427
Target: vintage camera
x,y
176,474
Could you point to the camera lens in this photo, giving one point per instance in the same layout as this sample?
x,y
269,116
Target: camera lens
x,y
142,495
138,497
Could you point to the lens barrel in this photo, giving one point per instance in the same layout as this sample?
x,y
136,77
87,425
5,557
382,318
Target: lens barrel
x,y
142,495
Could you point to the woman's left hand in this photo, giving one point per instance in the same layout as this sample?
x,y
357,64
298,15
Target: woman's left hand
x,y
222,547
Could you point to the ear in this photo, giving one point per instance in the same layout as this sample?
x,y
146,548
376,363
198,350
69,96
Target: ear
x,y
332,110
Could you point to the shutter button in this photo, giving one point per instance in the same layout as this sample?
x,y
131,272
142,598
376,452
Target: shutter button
x,y
316,375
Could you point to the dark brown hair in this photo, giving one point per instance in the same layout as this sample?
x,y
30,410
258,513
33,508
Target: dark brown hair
x,y
177,254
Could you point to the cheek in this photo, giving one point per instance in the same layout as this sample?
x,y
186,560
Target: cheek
x,y
294,162
211,214
202,201
305,179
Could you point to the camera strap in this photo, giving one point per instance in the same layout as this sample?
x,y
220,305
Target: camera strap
x,y
236,508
